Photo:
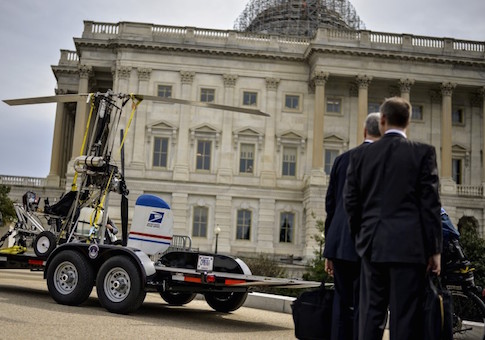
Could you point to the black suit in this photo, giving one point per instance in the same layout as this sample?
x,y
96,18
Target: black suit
x,y
340,248
394,210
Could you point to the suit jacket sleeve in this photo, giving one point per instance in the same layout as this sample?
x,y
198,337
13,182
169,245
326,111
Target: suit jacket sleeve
x,y
331,197
352,198
430,205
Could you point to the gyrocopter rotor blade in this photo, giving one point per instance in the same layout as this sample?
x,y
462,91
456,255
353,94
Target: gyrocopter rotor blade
x,y
64,98
201,104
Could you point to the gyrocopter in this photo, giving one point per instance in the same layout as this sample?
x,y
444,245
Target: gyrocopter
x,y
78,252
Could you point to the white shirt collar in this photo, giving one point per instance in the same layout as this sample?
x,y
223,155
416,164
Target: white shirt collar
x,y
396,131
368,141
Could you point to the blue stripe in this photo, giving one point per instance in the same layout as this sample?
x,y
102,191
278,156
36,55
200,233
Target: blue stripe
x,y
143,240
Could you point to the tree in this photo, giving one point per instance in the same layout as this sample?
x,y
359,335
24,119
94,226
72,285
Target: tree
x,y
473,246
316,266
7,210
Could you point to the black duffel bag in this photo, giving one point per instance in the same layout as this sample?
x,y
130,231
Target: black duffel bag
x,y
312,314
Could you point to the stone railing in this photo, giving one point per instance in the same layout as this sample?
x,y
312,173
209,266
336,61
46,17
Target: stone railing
x,y
469,190
375,40
22,181
68,58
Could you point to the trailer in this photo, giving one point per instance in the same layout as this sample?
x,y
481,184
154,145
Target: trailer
x,y
153,261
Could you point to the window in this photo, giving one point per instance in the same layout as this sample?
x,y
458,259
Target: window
x,y
373,107
292,102
417,113
243,228
289,161
207,95
287,220
250,98
203,155
165,91
334,105
457,170
330,156
199,225
458,116
246,159
160,150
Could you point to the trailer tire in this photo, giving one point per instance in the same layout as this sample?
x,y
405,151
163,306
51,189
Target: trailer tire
x,y
226,302
177,298
119,285
70,278
44,243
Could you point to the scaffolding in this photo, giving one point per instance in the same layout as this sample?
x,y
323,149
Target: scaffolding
x,y
297,17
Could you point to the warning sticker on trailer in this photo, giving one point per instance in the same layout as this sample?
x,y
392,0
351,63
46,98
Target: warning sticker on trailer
x,y
3,259
205,263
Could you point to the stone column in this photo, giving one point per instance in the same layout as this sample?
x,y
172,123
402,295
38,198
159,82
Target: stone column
x,y
447,184
268,174
482,94
122,76
224,173
140,120
319,79
81,111
181,169
54,177
363,82
405,87
267,222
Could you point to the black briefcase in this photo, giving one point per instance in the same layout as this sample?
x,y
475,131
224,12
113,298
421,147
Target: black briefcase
x,y
438,311
312,314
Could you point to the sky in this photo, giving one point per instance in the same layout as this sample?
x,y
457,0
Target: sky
x,y
32,33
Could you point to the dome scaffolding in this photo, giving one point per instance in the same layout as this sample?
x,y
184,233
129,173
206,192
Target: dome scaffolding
x,y
297,17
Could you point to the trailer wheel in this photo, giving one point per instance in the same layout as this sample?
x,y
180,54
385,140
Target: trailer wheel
x,y
226,302
119,285
44,243
70,278
177,298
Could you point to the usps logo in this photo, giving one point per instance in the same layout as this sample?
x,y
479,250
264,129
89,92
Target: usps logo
x,y
155,219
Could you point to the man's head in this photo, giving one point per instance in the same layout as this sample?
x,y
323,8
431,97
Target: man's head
x,y
395,114
371,129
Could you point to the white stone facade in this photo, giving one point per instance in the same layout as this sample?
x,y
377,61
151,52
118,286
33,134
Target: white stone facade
x,y
317,92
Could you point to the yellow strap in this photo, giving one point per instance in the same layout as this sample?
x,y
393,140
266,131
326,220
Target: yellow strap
x,y
135,102
74,185
13,250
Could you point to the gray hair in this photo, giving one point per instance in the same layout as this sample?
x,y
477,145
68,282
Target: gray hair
x,y
372,124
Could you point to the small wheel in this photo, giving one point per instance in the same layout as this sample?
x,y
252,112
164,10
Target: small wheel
x,y
226,302
44,243
177,298
119,285
467,306
70,278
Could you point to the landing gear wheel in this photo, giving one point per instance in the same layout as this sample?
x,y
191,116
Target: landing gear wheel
x,y
44,243
176,298
119,285
70,278
226,302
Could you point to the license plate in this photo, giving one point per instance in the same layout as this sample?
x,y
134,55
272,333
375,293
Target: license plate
x,y
205,263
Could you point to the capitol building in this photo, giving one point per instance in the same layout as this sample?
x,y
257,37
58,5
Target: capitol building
x,y
260,182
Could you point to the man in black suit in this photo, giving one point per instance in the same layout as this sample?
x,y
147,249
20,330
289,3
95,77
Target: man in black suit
x,y
342,261
392,200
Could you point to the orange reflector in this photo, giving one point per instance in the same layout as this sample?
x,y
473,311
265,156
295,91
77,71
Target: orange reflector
x,y
234,282
193,279
36,262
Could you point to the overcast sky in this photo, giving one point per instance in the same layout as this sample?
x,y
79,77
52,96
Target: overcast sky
x,y
32,33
